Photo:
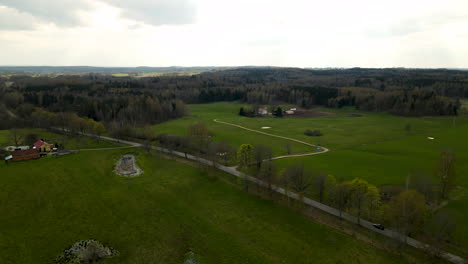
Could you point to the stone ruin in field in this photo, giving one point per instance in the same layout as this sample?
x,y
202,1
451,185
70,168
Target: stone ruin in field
x,y
86,251
127,166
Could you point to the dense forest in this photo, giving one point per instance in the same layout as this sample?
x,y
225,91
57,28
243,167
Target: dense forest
x,y
139,101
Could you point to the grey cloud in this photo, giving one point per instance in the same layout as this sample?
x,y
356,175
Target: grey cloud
x,y
157,12
60,12
64,13
11,19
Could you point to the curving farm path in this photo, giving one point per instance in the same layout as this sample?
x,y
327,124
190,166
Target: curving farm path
x,y
322,149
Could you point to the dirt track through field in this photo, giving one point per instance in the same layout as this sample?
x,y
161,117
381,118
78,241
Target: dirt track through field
x,y
322,149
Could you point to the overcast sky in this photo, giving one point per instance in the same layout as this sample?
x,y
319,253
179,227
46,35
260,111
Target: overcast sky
x,y
299,33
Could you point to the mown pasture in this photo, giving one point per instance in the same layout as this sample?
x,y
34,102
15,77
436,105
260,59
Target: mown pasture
x,y
384,149
49,204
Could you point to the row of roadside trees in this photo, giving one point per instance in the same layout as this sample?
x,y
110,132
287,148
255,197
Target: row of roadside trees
x,y
199,141
407,211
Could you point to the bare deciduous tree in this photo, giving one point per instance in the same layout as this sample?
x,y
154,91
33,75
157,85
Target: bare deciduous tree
x,y
245,157
261,153
297,179
442,226
225,152
341,197
16,137
199,136
446,173
267,174
146,146
320,181
423,183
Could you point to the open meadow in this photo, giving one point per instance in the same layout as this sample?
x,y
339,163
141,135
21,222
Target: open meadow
x,y
384,149
206,113
373,146
50,203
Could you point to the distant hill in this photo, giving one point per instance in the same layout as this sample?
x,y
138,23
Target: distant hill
x,y
108,70
143,70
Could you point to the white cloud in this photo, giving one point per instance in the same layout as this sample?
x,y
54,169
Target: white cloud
x,y
299,33
62,12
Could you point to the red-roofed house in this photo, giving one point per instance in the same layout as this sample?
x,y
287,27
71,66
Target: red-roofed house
x,y
38,143
43,146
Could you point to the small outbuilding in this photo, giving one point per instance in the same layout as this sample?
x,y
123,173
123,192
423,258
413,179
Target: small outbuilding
x,y
27,154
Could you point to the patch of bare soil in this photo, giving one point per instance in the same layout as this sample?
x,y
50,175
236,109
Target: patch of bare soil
x,y
127,166
355,115
310,113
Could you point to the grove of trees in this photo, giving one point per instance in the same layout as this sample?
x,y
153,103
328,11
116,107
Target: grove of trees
x,y
121,103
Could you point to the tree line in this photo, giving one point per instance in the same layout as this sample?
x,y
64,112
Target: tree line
x,y
415,102
143,101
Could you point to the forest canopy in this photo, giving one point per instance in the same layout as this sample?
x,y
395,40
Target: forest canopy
x,y
149,100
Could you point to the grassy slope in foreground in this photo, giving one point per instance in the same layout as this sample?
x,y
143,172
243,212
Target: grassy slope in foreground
x,y
50,203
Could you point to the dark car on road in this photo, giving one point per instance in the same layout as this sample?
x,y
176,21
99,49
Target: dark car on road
x,y
378,226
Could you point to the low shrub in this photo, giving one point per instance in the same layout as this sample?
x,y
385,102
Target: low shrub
x,y
313,133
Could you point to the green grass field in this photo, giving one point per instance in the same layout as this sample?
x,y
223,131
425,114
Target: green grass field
x,y
340,130
389,163
208,112
52,138
382,163
51,203
48,204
